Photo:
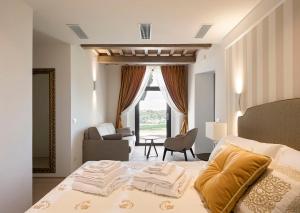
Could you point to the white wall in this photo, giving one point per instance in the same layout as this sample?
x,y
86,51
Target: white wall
x,y
77,105
213,59
15,107
113,88
263,64
52,53
88,107
207,61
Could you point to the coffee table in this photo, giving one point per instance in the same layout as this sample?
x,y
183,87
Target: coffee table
x,y
150,138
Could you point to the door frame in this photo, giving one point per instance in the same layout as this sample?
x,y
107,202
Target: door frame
x,y
52,129
137,119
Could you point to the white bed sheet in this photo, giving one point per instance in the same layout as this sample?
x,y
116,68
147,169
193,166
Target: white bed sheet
x,y
63,199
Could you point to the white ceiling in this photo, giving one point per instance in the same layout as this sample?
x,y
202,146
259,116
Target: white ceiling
x,y
116,21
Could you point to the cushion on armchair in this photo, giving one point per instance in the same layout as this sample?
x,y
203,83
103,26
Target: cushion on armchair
x,y
116,136
125,131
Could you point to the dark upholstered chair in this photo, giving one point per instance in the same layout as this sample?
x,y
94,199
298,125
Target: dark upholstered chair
x,y
107,147
181,143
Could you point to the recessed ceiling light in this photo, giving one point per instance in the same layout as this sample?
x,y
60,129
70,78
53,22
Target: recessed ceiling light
x,y
145,31
78,31
203,30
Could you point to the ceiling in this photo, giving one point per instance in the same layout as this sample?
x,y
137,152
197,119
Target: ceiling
x,y
117,21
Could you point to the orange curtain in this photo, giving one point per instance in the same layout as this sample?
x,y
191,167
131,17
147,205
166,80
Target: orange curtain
x,y
131,80
176,80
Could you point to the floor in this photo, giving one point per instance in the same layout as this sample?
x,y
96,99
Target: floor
x,y
41,186
138,155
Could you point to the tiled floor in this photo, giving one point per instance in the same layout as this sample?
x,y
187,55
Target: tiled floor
x,y
41,186
138,155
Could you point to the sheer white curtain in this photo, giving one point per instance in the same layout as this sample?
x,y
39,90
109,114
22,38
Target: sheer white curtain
x,y
162,86
177,116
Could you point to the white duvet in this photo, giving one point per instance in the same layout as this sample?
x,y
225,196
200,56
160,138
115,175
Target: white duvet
x,y
63,199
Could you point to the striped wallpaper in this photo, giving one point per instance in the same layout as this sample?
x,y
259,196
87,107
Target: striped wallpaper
x,y
265,63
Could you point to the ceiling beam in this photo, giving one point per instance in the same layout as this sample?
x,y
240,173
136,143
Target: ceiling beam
x,y
146,59
109,52
143,46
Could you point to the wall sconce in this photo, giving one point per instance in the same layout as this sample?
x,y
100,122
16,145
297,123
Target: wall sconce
x,y
94,85
238,103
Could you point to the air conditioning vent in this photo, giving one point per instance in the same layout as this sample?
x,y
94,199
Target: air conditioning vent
x,y
78,31
145,31
203,31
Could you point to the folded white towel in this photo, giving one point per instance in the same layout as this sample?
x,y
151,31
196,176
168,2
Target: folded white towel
x,y
158,166
104,191
164,181
176,190
102,166
162,169
99,179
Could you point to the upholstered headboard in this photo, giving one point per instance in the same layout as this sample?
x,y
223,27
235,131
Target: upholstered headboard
x,y
277,122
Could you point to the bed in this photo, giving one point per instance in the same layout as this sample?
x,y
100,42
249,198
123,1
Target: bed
x,y
276,123
126,199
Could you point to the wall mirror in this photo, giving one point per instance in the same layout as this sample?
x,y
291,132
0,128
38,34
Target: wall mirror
x,y
43,121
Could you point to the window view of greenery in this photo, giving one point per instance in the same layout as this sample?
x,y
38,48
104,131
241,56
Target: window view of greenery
x,y
153,119
153,113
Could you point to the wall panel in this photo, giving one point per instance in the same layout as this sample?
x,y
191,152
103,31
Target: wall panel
x,y
269,58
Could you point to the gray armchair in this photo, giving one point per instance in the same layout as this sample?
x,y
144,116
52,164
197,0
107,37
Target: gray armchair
x,y
181,143
108,147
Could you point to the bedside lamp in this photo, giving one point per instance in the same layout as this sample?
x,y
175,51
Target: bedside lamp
x,y
215,131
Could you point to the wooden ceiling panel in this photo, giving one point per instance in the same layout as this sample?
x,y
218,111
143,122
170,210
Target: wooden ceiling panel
x,y
146,53
140,52
165,52
127,52
152,52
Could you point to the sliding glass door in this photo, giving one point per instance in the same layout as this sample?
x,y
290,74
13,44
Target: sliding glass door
x,y
152,115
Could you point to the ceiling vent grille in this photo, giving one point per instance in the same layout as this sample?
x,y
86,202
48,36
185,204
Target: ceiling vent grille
x,y
203,31
145,31
78,31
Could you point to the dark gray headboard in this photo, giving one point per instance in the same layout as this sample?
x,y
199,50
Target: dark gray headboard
x,y
277,122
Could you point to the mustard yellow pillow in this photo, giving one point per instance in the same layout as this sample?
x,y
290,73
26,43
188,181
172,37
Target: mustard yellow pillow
x,y
228,176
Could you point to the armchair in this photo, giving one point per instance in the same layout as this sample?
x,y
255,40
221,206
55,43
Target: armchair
x,y
181,143
106,143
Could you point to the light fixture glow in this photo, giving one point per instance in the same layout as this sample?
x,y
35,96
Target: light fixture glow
x,y
94,100
239,84
239,113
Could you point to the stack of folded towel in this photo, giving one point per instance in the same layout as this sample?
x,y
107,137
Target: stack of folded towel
x,y
101,177
162,178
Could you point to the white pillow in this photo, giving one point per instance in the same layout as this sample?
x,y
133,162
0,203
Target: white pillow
x,y
275,192
288,157
251,145
278,190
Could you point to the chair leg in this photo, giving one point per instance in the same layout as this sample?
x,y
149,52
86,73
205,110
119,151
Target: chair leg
x,y
185,157
172,153
192,152
165,151
149,151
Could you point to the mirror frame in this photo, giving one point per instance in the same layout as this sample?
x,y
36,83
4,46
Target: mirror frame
x,y
52,155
